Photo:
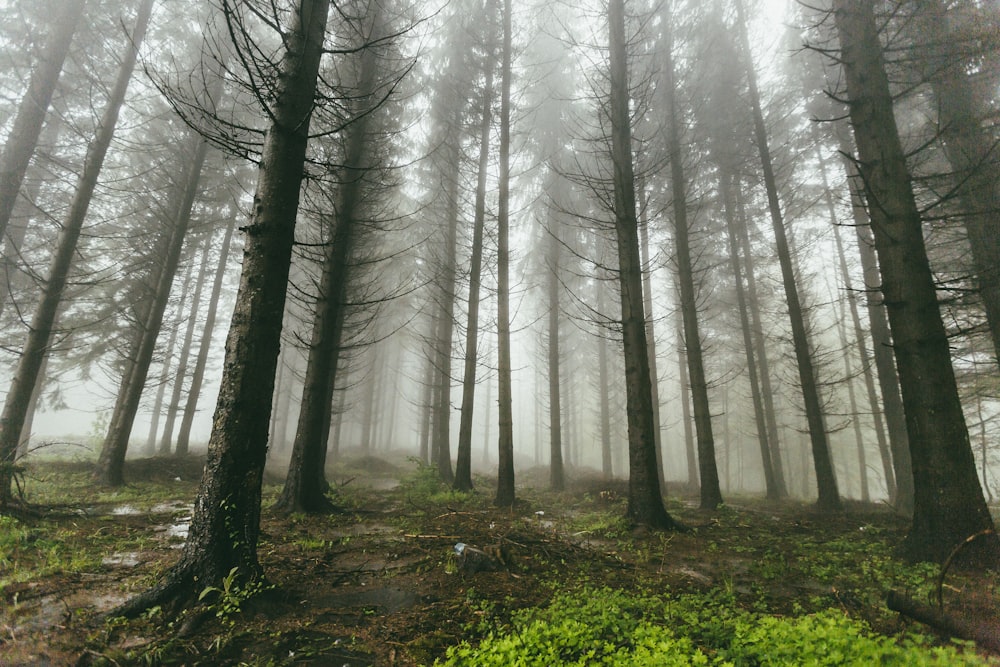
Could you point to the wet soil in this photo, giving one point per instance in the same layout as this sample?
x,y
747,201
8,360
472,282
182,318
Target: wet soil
x,y
380,583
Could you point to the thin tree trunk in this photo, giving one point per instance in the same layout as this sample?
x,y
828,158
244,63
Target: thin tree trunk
x,y
168,356
691,453
441,421
110,463
892,402
305,483
725,190
826,481
505,446
948,504
428,400
43,320
27,125
226,522
603,391
711,494
557,477
654,376
182,362
861,342
760,347
198,375
463,466
645,503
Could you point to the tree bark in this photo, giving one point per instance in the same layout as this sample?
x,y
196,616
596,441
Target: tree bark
x,y
645,503
948,503
505,446
226,522
826,481
27,125
44,317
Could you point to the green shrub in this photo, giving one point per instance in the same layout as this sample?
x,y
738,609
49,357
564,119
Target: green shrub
x,y
608,627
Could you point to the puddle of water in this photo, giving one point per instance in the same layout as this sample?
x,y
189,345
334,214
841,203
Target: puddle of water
x,y
124,510
126,559
171,507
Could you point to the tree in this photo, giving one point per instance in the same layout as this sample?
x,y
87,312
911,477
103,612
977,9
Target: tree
x,y
111,462
969,148
463,465
948,500
645,504
226,521
43,320
711,495
826,481
505,448
34,105
198,375
305,483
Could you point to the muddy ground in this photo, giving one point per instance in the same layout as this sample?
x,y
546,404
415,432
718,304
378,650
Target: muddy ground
x,y
379,582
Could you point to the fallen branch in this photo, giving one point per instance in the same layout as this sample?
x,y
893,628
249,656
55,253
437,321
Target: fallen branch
x,y
986,635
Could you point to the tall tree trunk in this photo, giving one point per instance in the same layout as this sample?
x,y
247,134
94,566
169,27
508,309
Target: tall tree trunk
x,y
182,363
226,522
603,391
760,345
427,402
305,483
892,401
725,191
826,481
198,375
645,503
691,453
463,466
111,462
43,320
557,481
654,376
505,446
27,125
862,343
441,419
711,494
948,503
168,356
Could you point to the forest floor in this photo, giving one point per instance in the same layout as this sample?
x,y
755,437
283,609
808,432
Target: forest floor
x,y
379,583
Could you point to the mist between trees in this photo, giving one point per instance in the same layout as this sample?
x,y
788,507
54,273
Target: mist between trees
x,y
717,248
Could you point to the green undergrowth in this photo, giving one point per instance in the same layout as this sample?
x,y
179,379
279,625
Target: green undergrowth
x,y
604,626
